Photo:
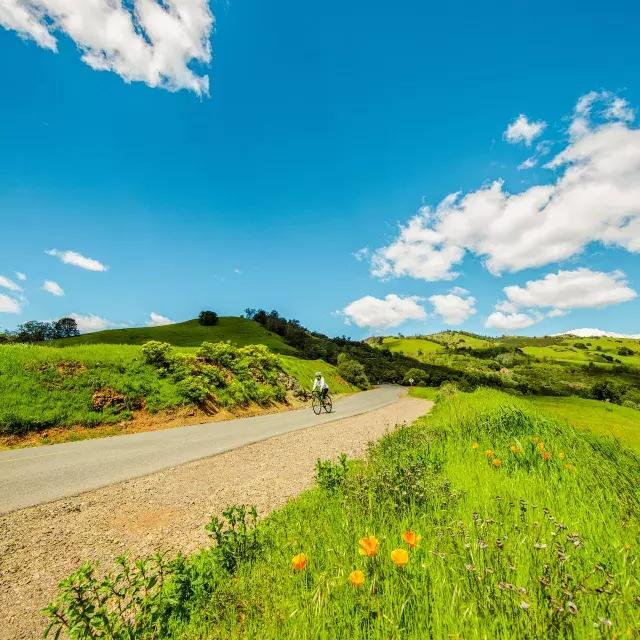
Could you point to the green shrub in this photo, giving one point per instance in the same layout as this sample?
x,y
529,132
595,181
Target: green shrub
x,y
158,354
235,535
330,476
352,371
415,377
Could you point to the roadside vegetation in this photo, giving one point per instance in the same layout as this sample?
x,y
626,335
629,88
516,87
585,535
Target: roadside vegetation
x,y
487,519
90,385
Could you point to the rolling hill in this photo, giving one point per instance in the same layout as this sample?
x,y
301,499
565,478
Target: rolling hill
x,y
191,333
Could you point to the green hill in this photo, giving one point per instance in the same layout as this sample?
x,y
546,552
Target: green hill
x,y
191,333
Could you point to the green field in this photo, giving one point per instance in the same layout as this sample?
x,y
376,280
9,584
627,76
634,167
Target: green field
x,y
239,331
585,350
536,539
598,417
414,347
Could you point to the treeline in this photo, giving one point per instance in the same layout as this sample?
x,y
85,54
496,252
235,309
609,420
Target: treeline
x,y
37,331
380,364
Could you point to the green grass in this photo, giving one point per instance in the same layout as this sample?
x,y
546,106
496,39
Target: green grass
x,y
304,371
533,548
426,393
413,347
45,386
598,417
238,331
593,349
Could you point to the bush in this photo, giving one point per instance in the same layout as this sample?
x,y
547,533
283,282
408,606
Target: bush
x,y
330,476
208,318
352,371
158,354
606,391
415,377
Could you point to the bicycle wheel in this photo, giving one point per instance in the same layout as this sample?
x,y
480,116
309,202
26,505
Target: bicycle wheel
x,y
316,403
328,405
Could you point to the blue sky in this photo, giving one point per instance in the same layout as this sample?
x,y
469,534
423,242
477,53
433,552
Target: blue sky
x,y
325,131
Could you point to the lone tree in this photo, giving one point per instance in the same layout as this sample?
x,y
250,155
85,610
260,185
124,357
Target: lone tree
x,y
65,328
208,318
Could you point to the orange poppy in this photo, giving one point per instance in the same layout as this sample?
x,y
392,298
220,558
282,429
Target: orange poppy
x,y
488,453
356,578
546,455
299,562
411,538
496,462
368,546
400,557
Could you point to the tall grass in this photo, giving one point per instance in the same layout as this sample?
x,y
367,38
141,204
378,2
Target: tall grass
x,y
542,545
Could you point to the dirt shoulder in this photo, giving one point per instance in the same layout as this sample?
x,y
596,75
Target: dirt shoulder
x,y
167,510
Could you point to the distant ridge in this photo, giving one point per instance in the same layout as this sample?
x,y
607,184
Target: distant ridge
x,y
598,333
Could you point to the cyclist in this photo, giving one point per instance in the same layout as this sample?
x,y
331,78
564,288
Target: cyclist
x,y
320,385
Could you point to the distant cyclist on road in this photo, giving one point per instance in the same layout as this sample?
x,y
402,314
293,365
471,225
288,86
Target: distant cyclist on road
x,y
320,385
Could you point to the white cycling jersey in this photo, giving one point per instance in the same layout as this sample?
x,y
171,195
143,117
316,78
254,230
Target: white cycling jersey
x,y
319,383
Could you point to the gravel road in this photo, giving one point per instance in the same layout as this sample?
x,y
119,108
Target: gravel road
x,y
166,510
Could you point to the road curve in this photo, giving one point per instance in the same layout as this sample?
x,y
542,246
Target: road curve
x,y
34,476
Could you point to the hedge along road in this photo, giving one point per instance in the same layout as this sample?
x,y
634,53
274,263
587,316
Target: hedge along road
x,y
30,477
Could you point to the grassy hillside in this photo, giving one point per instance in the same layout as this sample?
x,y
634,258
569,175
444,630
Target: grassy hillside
x,y
487,519
98,384
603,418
597,368
239,331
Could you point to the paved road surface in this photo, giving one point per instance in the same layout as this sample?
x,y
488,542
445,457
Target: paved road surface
x,y
37,475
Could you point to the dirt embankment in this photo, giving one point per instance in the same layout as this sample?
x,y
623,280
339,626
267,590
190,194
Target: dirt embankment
x,y
167,510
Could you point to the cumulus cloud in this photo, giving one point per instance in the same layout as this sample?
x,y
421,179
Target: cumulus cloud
x,y
598,333
9,304
524,130
595,198
384,313
53,288
581,288
6,283
77,260
509,321
21,276
454,307
141,40
612,108
89,322
157,320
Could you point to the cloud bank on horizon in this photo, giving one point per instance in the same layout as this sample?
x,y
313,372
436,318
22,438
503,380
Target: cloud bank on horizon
x,y
594,197
143,40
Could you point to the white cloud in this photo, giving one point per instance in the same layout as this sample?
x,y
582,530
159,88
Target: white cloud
x,y
361,254
542,149
384,313
595,198
9,304
156,320
140,40
77,260
21,276
509,321
581,288
6,283
613,108
88,323
53,288
597,333
524,130
454,307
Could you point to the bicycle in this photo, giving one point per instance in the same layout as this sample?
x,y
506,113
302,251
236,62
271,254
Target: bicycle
x,y
320,402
